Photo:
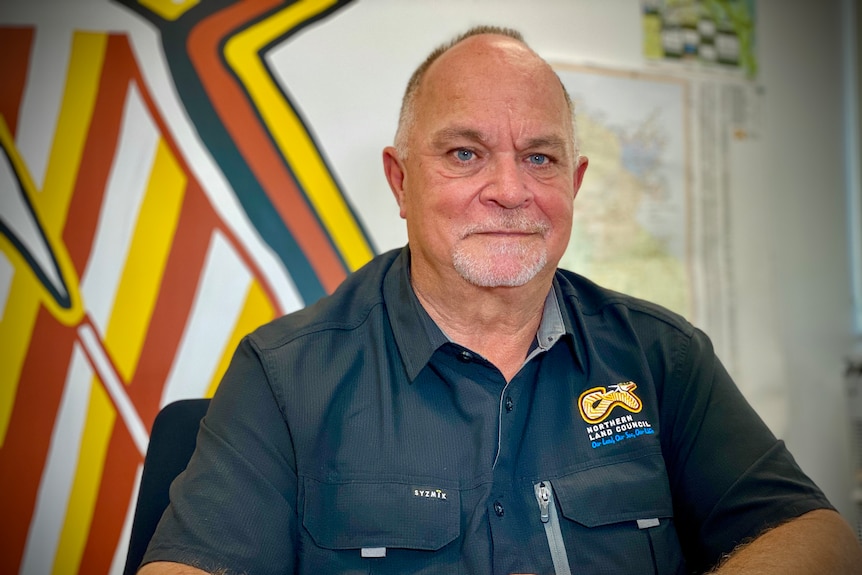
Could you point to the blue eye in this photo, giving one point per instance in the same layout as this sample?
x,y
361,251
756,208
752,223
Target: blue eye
x,y
538,159
464,155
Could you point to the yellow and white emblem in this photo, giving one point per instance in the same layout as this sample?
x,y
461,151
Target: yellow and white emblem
x,y
596,403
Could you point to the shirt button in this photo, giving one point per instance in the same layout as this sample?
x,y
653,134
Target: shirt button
x,y
498,509
465,356
510,405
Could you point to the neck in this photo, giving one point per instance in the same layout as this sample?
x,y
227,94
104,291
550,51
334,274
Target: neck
x,y
498,323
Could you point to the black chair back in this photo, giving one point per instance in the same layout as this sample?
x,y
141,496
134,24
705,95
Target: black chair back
x,y
172,441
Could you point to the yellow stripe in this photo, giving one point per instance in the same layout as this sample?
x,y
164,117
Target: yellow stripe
x,y
73,123
25,293
85,488
145,265
257,310
128,324
16,330
169,9
73,314
288,132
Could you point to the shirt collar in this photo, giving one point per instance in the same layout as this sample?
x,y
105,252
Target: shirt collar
x,y
418,337
416,334
551,328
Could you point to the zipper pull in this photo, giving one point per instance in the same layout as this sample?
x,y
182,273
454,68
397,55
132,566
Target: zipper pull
x,y
543,496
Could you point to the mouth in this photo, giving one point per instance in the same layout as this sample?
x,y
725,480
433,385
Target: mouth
x,y
504,234
515,225
507,232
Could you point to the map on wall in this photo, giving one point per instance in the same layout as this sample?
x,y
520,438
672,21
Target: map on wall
x,y
632,215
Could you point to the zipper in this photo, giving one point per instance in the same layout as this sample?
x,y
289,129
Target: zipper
x,y
500,424
549,518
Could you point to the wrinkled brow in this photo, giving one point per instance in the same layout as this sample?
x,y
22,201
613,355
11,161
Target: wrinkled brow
x,y
546,143
446,136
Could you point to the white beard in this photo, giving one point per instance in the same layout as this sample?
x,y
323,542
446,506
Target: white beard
x,y
484,272
505,263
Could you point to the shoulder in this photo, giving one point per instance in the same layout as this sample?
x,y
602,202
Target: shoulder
x,y
592,300
602,315
346,309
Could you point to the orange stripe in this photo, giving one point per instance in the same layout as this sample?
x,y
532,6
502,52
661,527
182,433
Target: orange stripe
x,y
176,292
15,43
115,490
253,142
120,45
176,297
22,459
197,223
96,160
43,374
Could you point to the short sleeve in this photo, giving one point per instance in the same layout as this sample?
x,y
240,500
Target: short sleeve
x,y
731,478
232,509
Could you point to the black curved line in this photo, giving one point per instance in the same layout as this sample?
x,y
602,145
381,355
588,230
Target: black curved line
x,y
247,189
63,300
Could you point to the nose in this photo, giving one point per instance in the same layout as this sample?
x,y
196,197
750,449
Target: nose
x,y
507,184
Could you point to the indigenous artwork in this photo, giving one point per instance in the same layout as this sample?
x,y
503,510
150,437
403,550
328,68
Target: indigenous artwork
x,y
161,197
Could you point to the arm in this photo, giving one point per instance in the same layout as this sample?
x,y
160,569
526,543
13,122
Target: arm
x,y
818,542
167,568
232,509
732,479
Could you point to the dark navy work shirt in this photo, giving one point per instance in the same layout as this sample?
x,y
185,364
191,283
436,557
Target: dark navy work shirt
x,y
354,437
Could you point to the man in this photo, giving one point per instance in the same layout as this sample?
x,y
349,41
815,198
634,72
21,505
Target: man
x,y
462,406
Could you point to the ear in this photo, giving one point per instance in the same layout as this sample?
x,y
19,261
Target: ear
x,y
395,174
580,169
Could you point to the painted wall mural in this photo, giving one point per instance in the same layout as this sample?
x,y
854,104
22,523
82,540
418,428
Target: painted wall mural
x,y
123,284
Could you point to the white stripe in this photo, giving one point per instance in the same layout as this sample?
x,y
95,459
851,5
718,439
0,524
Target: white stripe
x,y
114,386
43,93
7,272
59,473
19,218
122,550
126,187
203,168
219,300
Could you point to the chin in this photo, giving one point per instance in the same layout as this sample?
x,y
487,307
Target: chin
x,y
490,271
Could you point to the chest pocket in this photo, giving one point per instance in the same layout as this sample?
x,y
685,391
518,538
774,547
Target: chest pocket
x,y
618,518
347,527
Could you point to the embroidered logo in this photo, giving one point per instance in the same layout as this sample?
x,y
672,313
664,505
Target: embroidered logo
x,y
597,403
430,493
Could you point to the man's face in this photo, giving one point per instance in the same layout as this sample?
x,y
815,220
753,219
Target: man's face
x,y
490,176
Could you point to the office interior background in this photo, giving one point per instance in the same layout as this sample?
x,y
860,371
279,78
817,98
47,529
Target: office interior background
x,y
178,172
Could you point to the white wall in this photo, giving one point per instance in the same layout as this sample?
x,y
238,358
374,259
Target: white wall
x,y
806,227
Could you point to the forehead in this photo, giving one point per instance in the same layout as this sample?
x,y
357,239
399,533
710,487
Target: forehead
x,y
492,80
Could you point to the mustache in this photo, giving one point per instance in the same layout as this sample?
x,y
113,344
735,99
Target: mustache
x,y
508,222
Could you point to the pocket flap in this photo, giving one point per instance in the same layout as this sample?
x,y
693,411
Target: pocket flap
x,y
621,491
381,514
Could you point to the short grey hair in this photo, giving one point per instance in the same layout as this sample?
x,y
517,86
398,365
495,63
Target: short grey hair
x,y
407,116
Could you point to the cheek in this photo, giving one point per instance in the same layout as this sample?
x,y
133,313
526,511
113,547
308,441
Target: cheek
x,y
447,203
557,206
559,215
431,216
